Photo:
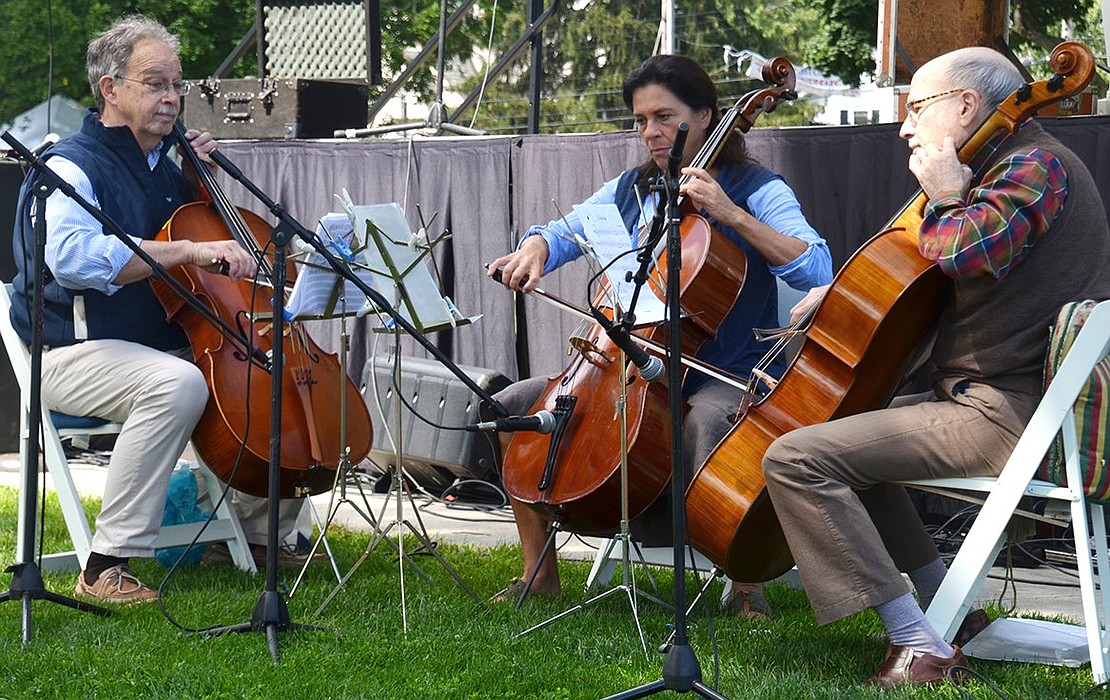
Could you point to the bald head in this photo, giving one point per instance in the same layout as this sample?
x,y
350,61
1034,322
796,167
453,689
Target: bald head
x,y
977,68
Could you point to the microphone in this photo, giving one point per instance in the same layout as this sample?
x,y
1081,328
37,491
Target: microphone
x,y
651,367
675,156
543,423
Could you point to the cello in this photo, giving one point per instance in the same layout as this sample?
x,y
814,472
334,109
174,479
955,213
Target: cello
x,y
233,434
574,475
861,343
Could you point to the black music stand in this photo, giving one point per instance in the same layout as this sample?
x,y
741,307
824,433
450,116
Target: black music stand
x,y
27,584
681,670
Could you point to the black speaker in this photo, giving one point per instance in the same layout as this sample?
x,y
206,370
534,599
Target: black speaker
x,y
435,458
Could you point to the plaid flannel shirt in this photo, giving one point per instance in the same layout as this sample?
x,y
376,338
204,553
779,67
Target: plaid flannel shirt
x,y
994,226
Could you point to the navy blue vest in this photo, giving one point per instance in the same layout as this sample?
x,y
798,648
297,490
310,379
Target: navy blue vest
x,y
135,197
734,349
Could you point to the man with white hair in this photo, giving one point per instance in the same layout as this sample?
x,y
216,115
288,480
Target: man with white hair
x,y
1019,236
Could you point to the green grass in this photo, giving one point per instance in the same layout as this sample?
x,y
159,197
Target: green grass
x,y
453,648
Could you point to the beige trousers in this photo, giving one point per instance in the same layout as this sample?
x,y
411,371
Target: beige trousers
x,y
157,397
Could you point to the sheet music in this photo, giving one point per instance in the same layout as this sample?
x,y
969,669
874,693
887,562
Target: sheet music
x,y
316,292
609,239
395,258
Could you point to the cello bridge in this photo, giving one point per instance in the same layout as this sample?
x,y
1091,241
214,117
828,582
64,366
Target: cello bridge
x,y
589,351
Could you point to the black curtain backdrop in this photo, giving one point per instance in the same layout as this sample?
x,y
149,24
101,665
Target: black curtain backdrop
x,y
11,176
487,191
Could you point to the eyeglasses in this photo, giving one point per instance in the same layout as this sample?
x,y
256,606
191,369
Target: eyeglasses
x,y
161,86
914,107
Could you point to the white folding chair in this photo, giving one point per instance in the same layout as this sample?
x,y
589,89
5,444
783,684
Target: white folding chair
x,y
1054,414
57,427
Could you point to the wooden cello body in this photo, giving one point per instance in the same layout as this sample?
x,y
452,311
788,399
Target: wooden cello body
x,y
585,488
868,331
575,474
233,434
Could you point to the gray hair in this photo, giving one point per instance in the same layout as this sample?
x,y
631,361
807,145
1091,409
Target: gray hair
x,y
110,51
986,71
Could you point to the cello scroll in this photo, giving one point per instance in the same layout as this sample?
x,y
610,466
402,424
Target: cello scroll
x,y
779,74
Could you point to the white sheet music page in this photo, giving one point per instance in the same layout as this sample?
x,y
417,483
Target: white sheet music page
x,y
609,240
315,293
391,244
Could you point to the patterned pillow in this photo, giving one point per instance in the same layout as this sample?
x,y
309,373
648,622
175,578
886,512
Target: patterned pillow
x,y
1091,408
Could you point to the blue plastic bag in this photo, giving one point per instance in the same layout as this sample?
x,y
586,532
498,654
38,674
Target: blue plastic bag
x,y
181,507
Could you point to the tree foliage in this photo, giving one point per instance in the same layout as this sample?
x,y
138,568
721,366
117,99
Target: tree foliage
x,y
587,48
591,46
44,49
850,31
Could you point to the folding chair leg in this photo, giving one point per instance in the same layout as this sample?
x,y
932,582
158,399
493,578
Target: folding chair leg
x,y
239,548
1103,561
965,576
1081,530
73,511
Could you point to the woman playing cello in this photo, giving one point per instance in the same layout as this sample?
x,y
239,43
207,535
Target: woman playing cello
x,y
743,201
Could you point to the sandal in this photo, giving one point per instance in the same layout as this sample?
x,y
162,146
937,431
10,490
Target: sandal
x,y
747,602
510,593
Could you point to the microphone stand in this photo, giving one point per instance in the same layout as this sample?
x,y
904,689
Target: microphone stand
x,y
27,584
681,670
271,612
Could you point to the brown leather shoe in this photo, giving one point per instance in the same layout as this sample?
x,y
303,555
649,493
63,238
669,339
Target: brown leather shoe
x,y
115,585
901,668
974,622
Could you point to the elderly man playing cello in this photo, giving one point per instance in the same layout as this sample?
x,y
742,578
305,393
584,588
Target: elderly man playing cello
x,y
1020,237
110,351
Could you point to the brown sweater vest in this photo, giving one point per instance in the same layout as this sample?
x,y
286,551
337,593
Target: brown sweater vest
x,y
996,330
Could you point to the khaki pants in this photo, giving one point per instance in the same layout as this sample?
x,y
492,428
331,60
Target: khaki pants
x,y
852,532
157,397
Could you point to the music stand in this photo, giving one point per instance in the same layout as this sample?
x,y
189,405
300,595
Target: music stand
x,y
289,226
321,294
394,260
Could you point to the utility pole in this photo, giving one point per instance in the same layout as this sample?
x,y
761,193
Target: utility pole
x,y
664,39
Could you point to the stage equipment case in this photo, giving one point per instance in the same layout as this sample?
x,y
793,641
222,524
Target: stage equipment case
x,y
275,108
